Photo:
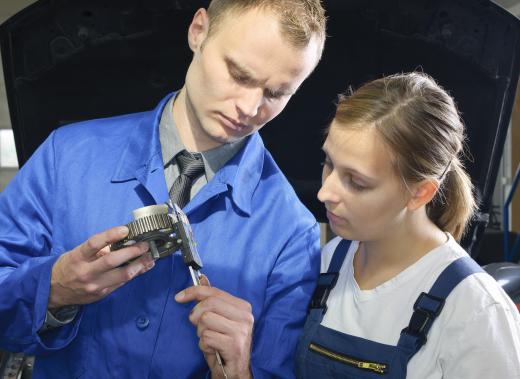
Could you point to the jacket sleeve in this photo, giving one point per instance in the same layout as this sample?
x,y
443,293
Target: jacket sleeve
x,y
290,287
27,256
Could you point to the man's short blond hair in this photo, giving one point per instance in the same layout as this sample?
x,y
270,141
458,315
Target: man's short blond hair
x,y
300,20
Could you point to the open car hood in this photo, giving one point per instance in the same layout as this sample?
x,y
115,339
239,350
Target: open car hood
x,y
71,60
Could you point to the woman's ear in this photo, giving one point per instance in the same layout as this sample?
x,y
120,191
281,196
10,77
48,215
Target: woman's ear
x,y
198,30
422,193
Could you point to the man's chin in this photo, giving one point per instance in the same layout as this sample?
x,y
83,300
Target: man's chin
x,y
229,137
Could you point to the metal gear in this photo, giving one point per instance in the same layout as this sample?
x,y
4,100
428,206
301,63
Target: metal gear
x,y
154,225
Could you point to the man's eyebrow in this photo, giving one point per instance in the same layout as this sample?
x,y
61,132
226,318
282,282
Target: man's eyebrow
x,y
242,71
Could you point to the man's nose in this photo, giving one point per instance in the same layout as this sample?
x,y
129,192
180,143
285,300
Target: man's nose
x,y
249,101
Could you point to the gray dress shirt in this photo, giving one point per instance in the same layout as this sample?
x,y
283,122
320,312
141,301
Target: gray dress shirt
x,y
171,145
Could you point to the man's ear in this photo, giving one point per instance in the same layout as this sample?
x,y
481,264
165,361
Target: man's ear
x,y
198,30
422,193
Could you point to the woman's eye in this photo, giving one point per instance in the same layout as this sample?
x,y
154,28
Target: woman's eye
x,y
356,186
326,163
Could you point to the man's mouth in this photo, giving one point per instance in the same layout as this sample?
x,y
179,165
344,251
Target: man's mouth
x,y
232,123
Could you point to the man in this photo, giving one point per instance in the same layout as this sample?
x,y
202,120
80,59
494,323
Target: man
x,y
81,309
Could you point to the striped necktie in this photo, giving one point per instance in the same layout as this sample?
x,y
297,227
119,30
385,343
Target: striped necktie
x,y
191,166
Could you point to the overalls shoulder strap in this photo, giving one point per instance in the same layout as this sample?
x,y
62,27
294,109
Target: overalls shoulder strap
x,y
327,280
429,305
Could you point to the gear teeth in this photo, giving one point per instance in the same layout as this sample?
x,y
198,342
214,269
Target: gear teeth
x,y
149,223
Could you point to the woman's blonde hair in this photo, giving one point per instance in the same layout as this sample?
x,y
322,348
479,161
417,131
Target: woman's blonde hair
x,y
420,123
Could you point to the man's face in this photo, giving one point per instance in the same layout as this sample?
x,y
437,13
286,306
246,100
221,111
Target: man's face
x,y
241,76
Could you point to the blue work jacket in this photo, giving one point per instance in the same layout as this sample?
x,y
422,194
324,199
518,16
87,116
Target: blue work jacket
x,y
255,238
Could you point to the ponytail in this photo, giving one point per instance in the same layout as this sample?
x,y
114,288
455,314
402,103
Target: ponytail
x,y
452,207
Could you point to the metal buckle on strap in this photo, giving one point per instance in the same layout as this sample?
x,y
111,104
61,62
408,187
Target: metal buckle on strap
x,y
326,283
426,308
429,304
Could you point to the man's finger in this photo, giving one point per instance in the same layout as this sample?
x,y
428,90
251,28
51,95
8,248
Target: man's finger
x,y
211,337
121,275
199,293
119,257
204,281
216,305
90,247
216,322
104,251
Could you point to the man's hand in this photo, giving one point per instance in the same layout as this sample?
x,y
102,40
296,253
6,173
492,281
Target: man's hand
x,y
224,324
90,271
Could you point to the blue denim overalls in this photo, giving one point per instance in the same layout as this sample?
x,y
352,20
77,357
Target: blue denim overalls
x,y
326,353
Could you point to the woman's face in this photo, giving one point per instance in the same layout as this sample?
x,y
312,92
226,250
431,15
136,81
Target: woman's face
x,y
364,197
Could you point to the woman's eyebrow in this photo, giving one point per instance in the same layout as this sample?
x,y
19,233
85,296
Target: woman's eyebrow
x,y
349,169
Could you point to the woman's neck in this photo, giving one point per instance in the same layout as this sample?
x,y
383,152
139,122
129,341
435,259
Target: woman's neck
x,y
380,260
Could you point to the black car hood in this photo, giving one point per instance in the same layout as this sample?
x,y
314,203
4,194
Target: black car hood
x,y
71,60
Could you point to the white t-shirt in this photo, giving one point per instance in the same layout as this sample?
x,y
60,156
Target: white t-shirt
x,y
476,336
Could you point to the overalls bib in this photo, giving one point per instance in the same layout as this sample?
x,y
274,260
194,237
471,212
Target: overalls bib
x,y
326,353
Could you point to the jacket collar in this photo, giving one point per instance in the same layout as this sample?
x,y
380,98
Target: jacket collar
x,y
243,172
142,154
142,157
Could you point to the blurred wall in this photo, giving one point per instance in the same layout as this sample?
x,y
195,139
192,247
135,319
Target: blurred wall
x,y
8,162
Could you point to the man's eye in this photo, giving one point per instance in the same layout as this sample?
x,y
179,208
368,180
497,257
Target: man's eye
x,y
273,95
241,79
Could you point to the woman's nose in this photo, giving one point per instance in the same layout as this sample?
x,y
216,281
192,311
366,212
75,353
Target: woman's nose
x,y
328,191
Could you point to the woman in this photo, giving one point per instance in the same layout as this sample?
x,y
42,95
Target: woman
x,y
408,300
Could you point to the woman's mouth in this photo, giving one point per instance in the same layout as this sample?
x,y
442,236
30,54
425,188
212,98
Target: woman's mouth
x,y
334,219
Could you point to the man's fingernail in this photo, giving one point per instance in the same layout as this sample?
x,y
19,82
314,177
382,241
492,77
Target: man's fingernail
x,y
134,273
150,265
122,230
179,296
